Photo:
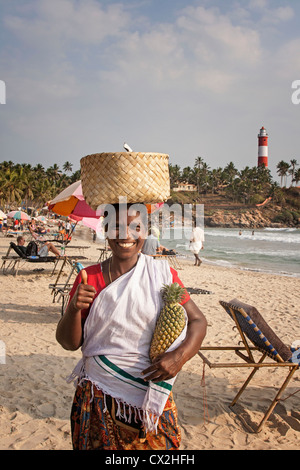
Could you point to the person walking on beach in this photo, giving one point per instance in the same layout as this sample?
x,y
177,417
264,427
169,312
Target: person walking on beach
x,y
112,316
196,244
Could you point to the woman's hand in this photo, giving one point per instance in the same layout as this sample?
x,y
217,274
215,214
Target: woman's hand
x,y
69,332
165,366
83,297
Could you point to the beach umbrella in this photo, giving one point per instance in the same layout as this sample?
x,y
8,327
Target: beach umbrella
x,y
18,215
2,215
71,201
42,218
153,207
90,222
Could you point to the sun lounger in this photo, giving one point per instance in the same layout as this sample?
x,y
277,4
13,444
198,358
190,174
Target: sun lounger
x,y
11,263
104,254
172,259
252,327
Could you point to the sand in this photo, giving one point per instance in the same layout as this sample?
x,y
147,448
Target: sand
x,y
35,400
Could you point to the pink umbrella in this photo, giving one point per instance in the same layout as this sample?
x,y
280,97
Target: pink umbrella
x,y
71,202
91,222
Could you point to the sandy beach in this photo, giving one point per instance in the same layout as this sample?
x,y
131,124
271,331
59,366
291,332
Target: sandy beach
x,y
35,400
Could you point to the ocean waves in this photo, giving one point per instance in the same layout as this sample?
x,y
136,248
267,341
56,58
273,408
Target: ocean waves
x,y
267,250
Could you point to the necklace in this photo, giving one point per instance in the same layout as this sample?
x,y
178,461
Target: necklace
x,y
109,273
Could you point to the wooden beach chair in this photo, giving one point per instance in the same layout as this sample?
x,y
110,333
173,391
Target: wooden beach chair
x,y
265,343
104,254
172,259
61,291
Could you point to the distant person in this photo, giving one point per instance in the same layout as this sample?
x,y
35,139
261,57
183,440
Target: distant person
x,y
196,244
152,245
45,247
68,228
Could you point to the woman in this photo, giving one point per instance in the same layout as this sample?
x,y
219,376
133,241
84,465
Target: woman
x,y
112,317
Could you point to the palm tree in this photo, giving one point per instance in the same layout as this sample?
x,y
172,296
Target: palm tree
x,y
292,169
276,192
230,172
175,174
296,177
205,175
197,172
11,188
26,183
282,170
53,172
67,166
186,174
215,179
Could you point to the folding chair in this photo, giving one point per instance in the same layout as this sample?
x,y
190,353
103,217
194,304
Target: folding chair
x,y
104,254
12,263
251,326
62,290
172,259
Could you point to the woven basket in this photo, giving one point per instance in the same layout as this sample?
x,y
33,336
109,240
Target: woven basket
x,y
140,177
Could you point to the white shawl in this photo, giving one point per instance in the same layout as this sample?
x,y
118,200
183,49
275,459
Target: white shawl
x,y
117,337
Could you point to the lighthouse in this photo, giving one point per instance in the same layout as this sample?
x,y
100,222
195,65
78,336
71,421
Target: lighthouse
x,y
263,148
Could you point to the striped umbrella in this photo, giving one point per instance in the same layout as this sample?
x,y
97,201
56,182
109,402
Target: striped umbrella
x,y
18,215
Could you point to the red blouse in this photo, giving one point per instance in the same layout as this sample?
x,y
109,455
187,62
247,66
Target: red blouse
x,y
95,278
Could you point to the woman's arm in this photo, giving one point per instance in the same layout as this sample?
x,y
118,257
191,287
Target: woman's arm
x,y
69,332
168,365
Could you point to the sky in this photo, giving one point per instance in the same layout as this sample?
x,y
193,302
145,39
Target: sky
x,y
193,78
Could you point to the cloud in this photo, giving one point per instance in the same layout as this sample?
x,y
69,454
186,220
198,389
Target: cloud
x,y
65,22
83,74
202,49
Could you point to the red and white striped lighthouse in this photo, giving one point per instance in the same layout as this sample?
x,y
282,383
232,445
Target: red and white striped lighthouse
x,y
263,148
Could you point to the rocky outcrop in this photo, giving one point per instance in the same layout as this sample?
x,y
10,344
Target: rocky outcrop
x,y
253,218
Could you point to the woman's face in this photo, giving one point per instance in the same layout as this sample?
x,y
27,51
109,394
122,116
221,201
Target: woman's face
x,y
126,235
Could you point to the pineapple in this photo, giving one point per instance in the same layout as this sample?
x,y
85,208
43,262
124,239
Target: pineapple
x,y
171,320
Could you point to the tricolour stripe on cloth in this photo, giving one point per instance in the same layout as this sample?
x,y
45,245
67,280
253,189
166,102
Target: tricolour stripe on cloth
x,y
111,368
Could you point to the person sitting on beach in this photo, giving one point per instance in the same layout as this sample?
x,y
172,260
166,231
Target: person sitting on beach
x,y
42,250
152,245
41,230
111,315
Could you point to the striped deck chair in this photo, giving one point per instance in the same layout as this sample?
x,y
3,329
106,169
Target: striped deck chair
x,y
252,327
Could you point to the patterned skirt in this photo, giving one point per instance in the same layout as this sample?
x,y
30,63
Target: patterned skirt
x,y
95,429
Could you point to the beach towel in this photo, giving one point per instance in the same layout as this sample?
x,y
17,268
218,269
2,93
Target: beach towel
x,y
117,337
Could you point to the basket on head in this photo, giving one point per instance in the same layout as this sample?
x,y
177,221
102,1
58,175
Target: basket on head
x,y
140,177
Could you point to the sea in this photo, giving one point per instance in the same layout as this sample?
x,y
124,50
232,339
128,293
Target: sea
x,y
268,250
